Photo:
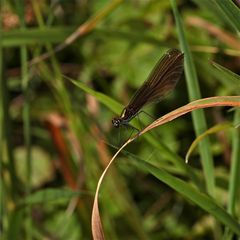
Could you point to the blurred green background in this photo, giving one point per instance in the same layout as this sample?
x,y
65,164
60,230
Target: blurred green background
x,y
56,137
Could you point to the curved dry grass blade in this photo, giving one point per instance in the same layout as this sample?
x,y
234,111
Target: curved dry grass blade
x,y
97,229
214,129
232,101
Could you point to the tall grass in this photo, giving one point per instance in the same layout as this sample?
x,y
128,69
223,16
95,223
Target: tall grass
x,y
56,136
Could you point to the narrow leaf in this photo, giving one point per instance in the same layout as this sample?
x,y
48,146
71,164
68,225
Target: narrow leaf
x,y
214,129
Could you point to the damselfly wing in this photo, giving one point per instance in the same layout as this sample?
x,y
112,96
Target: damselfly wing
x,y
160,82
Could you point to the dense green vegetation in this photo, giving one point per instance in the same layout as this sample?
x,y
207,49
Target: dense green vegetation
x,y
66,69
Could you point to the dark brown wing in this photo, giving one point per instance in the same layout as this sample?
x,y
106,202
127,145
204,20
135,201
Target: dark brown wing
x,y
161,80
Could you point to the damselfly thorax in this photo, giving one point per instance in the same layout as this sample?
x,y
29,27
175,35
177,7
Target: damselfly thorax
x,y
160,82
125,117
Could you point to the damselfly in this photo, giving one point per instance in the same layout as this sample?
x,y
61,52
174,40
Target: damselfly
x,y
161,80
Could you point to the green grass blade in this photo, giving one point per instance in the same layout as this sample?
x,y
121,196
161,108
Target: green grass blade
x,y
40,36
199,120
187,191
231,11
235,166
2,136
26,114
34,36
176,160
50,195
104,99
232,78
220,9
212,130
234,178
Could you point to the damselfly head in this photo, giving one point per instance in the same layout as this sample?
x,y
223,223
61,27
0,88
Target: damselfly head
x,y
116,122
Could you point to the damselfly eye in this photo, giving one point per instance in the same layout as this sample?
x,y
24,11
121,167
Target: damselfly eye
x,y
116,122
